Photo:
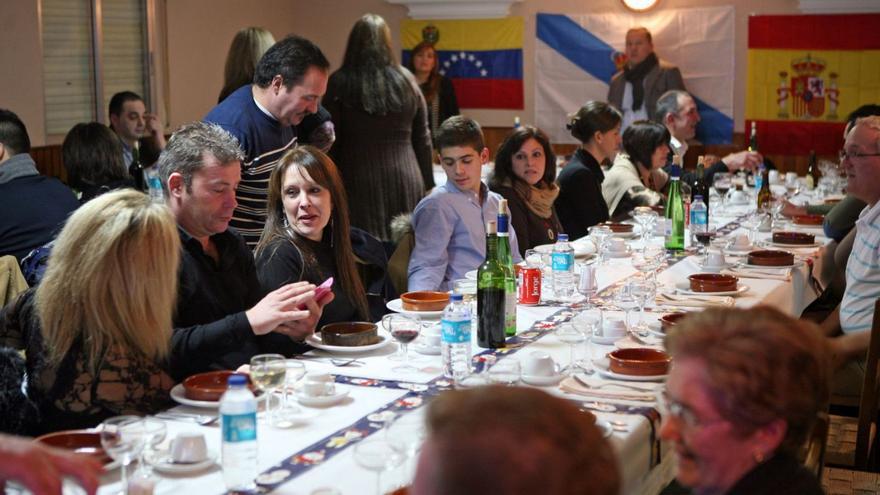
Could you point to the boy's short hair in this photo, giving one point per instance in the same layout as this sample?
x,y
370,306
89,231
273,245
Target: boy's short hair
x,y
459,131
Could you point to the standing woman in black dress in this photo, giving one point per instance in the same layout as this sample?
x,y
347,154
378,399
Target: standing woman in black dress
x,y
580,204
437,88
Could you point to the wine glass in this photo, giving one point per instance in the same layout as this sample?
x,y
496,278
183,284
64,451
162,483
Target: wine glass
x,y
404,329
649,260
599,234
625,300
792,185
569,334
587,286
643,291
378,455
588,324
268,372
505,372
704,238
406,435
154,434
645,216
122,438
722,182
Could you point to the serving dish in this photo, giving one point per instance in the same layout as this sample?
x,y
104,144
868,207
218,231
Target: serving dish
x,y
208,386
794,238
350,333
712,282
808,219
424,300
768,257
669,320
86,442
639,362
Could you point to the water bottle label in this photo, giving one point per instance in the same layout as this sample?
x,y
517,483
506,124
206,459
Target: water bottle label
x,y
239,427
562,261
455,332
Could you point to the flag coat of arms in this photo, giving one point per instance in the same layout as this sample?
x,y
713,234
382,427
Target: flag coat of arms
x,y
576,55
806,74
482,57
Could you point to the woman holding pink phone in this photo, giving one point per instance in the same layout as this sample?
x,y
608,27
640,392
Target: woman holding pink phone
x,y
308,237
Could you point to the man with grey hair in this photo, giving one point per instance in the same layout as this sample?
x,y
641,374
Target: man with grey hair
x,y
677,110
223,316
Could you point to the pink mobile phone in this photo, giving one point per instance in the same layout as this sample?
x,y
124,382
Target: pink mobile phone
x,y
320,291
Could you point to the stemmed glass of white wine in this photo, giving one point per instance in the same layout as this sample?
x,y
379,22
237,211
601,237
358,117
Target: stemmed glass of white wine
x,y
268,373
122,438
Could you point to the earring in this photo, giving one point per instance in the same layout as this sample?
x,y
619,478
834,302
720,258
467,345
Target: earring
x,y
758,456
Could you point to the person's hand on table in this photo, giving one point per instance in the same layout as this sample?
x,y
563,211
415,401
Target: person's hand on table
x,y
790,209
300,329
281,306
40,469
748,160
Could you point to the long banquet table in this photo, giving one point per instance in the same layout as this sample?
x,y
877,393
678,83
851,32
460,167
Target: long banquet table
x,y
317,454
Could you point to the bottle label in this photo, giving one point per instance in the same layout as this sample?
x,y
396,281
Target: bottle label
x,y
239,427
562,261
455,332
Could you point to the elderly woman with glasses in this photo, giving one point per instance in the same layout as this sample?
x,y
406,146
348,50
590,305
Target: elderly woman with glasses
x,y
742,397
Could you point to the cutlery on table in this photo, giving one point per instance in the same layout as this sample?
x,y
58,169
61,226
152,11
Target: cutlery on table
x,y
201,419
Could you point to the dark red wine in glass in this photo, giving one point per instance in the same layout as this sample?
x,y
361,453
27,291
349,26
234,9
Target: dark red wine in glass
x,y
405,336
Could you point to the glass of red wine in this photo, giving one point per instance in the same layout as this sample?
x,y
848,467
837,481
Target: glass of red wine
x,y
404,329
704,238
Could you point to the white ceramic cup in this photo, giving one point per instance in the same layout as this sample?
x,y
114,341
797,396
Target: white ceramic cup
x,y
431,336
318,384
539,364
791,176
189,447
715,258
773,175
741,241
613,326
616,245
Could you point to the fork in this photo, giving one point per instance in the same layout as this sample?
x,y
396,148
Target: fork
x,y
636,388
201,419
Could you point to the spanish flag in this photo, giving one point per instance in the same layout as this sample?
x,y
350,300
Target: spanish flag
x,y
483,58
806,73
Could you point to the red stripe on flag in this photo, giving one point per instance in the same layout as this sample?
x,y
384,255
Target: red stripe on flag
x,y
779,137
489,93
815,32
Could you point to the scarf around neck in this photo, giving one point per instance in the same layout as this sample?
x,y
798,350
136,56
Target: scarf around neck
x,y
636,75
539,200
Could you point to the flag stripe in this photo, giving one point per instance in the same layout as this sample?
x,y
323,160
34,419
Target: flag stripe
x,y
798,138
714,126
498,64
815,32
466,34
577,45
489,93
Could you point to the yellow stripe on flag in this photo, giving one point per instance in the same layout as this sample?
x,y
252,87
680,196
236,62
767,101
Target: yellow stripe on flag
x,y
471,34
857,81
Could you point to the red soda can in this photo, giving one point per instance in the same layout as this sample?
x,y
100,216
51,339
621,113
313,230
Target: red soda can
x,y
529,285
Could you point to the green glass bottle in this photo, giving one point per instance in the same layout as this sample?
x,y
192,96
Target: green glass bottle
x,y
490,295
675,212
765,197
136,169
506,258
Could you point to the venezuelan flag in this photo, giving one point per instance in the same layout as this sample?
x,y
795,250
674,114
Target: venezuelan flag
x,y
483,58
806,73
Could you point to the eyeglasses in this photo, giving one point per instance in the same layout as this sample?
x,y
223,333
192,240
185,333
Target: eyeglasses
x,y
844,155
683,413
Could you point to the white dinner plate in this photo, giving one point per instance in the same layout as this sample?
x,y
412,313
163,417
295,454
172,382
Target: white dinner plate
x,y
582,249
601,366
740,250
620,254
684,288
793,246
179,396
606,339
626,235
314,340
161,461
396,305
714,268
321,400
797,263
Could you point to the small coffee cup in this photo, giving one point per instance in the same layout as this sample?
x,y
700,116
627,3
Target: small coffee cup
x,y
715,258
616,245
613,326
539,364
773,175
431,336
318,384
741,241
189,447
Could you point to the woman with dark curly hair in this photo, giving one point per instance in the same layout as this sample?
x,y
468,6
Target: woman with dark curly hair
x,y
525,172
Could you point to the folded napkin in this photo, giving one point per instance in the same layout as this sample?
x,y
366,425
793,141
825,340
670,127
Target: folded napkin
x,y
765,273
605,389
693,301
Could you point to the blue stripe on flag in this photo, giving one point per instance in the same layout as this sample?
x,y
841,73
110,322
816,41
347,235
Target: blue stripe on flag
x,y
478,64
594,56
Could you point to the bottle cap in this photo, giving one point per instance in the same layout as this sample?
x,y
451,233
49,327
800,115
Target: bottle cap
x,y
563,237
456,297
491,228
237,379
698,197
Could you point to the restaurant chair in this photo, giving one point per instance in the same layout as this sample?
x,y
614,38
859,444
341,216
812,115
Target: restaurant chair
x,y
12,282
813,453
851,441
398,264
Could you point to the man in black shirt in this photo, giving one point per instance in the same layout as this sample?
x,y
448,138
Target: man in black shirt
x,y
223,316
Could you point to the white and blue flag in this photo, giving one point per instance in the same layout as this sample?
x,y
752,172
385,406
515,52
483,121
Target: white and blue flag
x,y
575,59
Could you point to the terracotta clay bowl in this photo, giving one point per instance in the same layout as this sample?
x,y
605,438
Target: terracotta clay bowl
x,y
208,386
424,300
80,441
712,282
669,320
639,362
771,258
619,228
349,333
793,238
808,219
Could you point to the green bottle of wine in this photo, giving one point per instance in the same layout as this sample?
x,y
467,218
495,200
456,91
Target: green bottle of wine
x,y
490,294
506,258
675,212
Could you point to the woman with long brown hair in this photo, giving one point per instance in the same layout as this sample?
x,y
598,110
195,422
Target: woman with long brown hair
x,y
437,88
308,237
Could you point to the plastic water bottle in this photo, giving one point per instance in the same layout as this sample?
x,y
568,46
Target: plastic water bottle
x,y
699,217
238,417
154,185
455,338
562,261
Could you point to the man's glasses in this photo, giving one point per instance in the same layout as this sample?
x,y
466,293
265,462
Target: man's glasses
x,y
844,155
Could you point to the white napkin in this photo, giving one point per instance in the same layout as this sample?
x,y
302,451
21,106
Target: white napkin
x,y
634,391
764,273
693,301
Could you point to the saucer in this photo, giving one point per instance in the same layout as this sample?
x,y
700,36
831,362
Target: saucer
x,y
625,253
543,381
321,400
178,395
714,268
161,461
607,339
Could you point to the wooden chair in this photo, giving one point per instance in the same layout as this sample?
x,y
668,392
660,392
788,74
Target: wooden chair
x,y
851,440
814,450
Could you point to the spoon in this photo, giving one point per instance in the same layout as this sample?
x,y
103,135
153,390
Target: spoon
x,y
201,419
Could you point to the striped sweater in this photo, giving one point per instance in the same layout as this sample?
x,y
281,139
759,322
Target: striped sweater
x,y
862,273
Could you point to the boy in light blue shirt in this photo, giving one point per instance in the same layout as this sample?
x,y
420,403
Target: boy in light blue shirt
x,y
450,223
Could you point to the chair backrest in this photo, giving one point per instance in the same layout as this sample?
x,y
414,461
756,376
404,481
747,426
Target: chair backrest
x,y
868,402
814,450
398,264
